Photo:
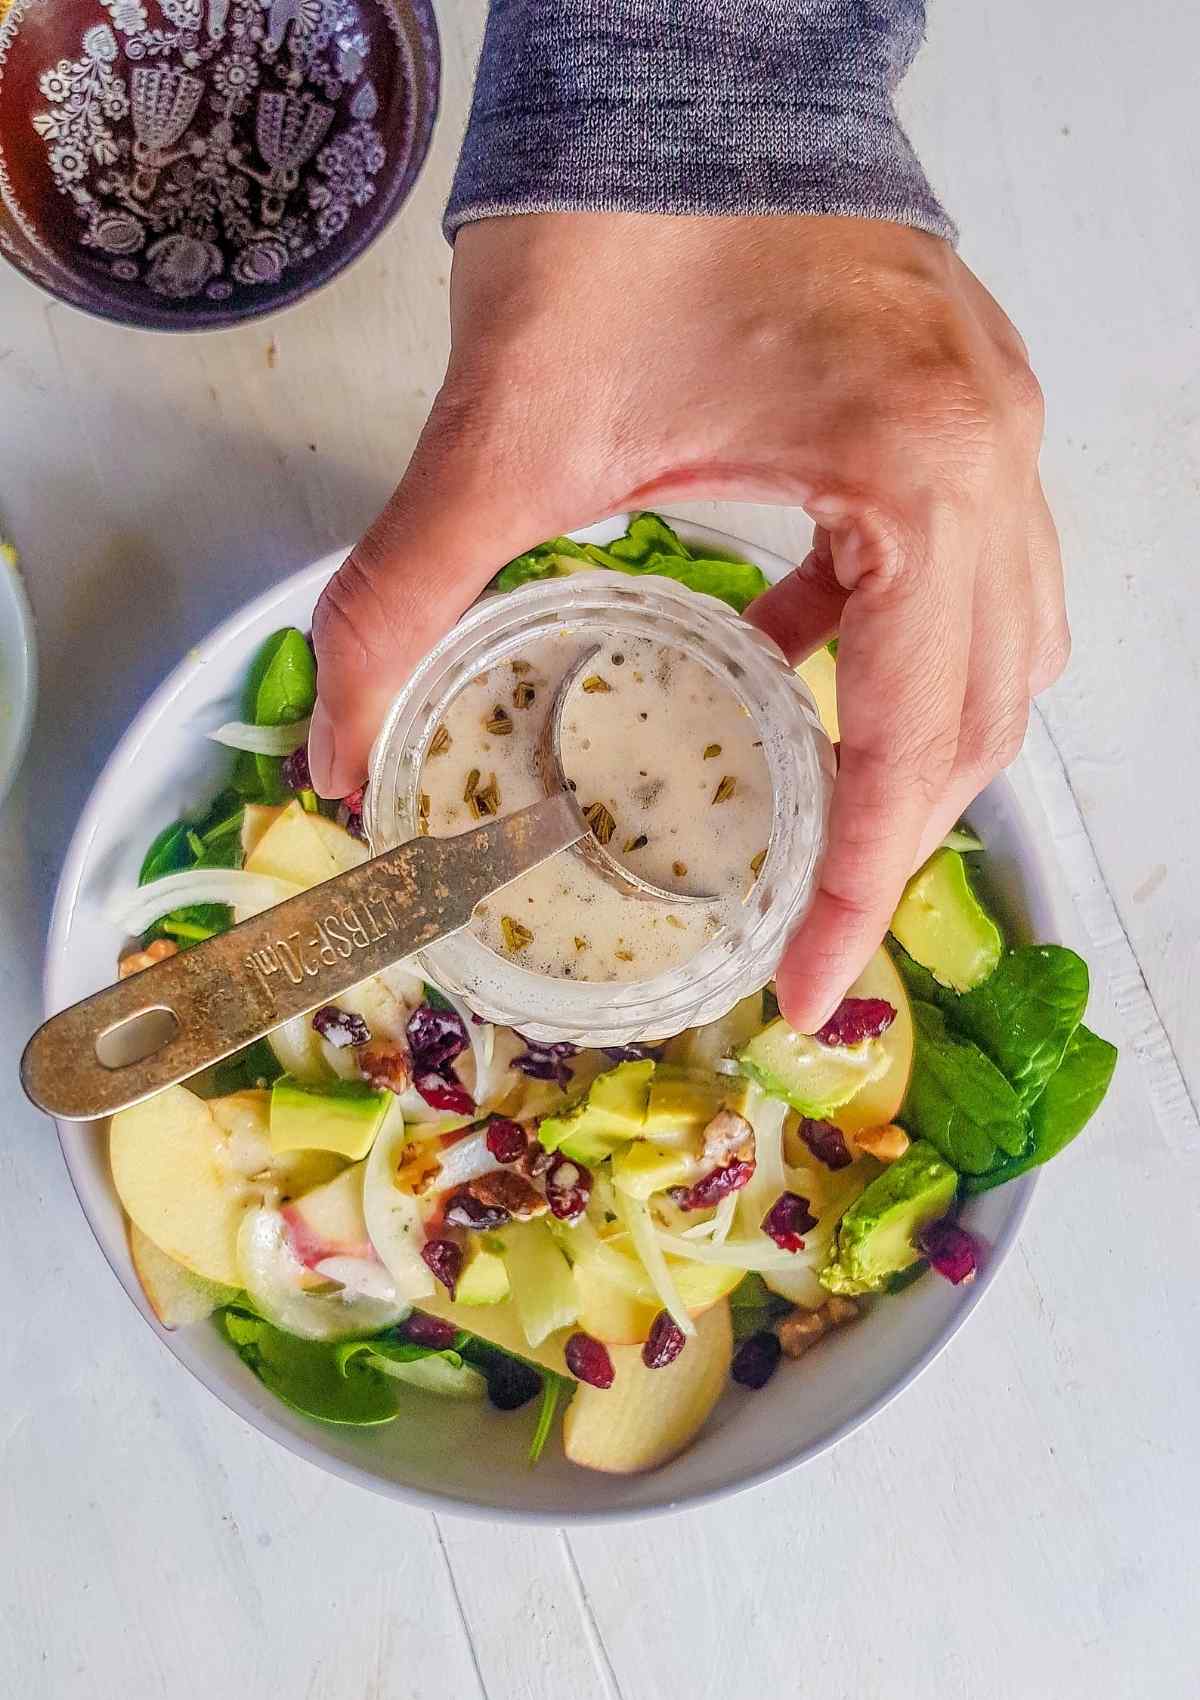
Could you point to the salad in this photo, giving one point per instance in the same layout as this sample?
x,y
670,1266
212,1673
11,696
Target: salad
x,y
391,1199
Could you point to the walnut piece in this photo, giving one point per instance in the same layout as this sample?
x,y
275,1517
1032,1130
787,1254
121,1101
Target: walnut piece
x,y
885,1143
387,1068
728,1135
139,959
504,1189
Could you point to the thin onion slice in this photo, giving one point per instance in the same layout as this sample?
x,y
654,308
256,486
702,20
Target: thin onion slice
x,y
647,1243
262,740
760,1253
248,893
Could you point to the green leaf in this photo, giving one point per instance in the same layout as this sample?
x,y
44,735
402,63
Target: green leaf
x,y
168,854
753,1307
553,1387
257,1065
306,1375
435,1000
1024,1013
282,687
441,1372
648,535
1072,1096
958,1099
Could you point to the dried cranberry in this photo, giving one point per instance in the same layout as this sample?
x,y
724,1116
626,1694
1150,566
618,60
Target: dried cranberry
x,y
568,1188
588,1360
295,772
445,1259
633,1053
464,1210
856,1019
506,1140
431,1331
664,1343
711,1188
756,1359
350,813
341,1027
788,1219
546,1062
826,1142
442,1094
436,1037
950,1249
510,1383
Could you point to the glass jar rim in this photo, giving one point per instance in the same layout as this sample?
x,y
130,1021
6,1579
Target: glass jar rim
x,y
742,957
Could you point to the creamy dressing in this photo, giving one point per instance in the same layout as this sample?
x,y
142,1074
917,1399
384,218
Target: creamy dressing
x,y
669,768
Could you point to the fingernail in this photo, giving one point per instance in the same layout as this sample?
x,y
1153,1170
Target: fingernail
x,y
321,754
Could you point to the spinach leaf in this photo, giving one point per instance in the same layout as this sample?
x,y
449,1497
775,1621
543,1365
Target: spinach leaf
x,y
553,1387
958,1099
168,854
1071,1098
648,535
549,560
1024,1013
753,1307
444,1372
306,1374
257,1065
282,687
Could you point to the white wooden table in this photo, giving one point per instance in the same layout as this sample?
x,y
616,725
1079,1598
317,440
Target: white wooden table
x,y
1023,1524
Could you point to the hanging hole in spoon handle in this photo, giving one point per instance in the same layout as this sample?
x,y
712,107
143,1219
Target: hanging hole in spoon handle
x,y
555,779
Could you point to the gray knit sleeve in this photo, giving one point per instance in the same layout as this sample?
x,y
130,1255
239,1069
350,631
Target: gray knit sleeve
x,y
694,106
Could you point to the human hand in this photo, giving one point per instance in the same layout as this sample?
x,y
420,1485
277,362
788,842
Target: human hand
x,y
851,367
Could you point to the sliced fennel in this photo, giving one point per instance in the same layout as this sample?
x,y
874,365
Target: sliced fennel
x,y
542,1285
758,1253
262,740
248,893
647,1242
393,1217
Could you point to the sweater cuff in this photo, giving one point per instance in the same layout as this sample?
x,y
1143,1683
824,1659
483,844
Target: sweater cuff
x,y
694,106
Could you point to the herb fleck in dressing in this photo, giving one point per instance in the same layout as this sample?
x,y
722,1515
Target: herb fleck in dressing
x,y
641,735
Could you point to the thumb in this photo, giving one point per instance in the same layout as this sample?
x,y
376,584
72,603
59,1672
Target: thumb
x,y
803,610
454,520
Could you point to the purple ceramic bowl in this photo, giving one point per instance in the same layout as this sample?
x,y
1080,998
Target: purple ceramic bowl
x,y
185,164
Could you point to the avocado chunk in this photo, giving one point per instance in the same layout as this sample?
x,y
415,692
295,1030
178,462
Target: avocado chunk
x,y
681,1102
944,927
610,1112
644,1168
344,1116
876,1238
484,1277
813,1078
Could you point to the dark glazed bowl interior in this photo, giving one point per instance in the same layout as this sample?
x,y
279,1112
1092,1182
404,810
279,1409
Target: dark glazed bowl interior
x,y
185,164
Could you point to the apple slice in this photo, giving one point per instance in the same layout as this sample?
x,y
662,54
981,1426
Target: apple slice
x,y
274,1279
819,673
171,1168
609,1313
329,1221
177,1297
293,848
879,1100
648,1416
256,819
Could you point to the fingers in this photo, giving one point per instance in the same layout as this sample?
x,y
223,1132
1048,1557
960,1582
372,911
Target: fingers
x,y
804,609
902,670
455,519
1051,633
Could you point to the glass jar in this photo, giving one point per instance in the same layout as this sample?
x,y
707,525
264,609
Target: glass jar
x,y
744,953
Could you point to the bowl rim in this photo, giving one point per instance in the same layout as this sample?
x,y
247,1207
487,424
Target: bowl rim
x,y
296,295
177,682
14,599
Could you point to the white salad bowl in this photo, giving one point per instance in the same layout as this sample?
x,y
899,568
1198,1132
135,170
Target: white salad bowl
x,y
439,1453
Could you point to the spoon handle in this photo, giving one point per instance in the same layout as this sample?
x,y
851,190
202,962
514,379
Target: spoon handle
x,y
164,1024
